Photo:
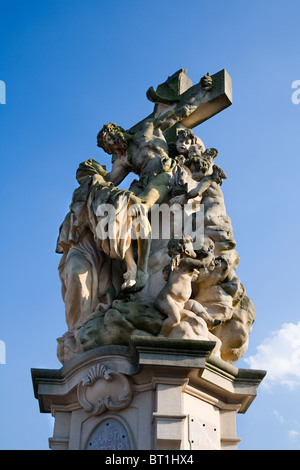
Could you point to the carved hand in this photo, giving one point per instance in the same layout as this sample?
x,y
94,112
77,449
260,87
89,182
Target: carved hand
x,y
137,206
206,81
180,199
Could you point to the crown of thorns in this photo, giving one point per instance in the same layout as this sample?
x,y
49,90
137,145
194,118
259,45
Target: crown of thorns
x,y
117,133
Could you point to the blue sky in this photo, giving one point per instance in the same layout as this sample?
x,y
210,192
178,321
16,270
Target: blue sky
x,y
72,65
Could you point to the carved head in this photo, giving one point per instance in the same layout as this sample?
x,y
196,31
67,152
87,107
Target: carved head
x,y
181,246
200,161
198,166
114,139
218,174
205,247
185,138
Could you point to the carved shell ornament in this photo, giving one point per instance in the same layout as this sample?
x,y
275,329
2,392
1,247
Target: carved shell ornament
x,y
103,389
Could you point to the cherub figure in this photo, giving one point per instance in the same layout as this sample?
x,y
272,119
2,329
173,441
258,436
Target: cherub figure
x,y
210,178
185,138
216,178
200,161
180,273
186,142
210,293
205,173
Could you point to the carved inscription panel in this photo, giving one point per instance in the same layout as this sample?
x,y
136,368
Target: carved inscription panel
x,y
109,435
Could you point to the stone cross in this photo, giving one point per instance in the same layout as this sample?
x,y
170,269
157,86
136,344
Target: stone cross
x,y
178,90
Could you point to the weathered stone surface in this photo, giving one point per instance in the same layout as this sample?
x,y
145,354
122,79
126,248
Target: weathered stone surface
x,y
109,435
156,394
117,325
157,259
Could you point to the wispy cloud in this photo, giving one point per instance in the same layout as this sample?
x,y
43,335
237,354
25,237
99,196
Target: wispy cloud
x,y
293,435
279,354
278,416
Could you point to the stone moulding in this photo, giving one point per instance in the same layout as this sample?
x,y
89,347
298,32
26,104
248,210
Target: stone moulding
x,y
127,363
156,387
94,395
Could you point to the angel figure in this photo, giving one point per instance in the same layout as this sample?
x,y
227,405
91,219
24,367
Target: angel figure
x,y
180,273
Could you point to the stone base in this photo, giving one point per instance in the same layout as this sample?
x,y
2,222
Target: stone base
x,y
158,394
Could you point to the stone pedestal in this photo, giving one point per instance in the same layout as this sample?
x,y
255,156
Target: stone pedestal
x,y
157,394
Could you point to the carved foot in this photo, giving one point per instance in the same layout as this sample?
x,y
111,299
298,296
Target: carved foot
x,y
210,321
128,285
132,284
129,281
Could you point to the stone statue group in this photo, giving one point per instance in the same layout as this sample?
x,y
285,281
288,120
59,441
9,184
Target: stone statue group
x,y
118,277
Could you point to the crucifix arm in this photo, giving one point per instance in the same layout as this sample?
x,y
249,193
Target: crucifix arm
x,y
188,104
197,104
